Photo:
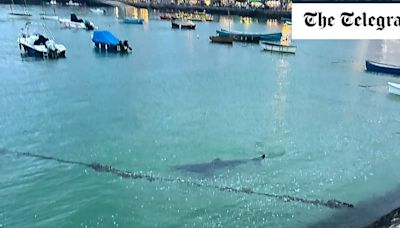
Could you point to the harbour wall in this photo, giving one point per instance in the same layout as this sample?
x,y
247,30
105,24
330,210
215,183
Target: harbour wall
x,y
63,2
221,10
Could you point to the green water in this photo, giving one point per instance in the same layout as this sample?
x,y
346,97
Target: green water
x,y
180,100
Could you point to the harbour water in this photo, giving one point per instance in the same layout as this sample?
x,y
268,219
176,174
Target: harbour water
x,y
179,99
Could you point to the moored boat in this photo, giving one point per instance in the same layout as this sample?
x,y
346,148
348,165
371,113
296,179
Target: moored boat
x,y
75,22
22,15
382,68
98,11
49,17
183,24
286,20
165,17
132,20
249,37
46,16
284,46
277,47
200,16
221,39
394,88
37,42
72,3
106,41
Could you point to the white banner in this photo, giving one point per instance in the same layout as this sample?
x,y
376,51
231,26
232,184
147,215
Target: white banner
x,y
346,20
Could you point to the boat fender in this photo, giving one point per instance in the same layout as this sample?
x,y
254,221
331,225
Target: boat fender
x,y
89,25
119,46
106,47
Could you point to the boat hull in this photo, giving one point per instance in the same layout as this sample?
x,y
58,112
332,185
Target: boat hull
x,y
70,24
49,17
35,52
394,88
110,48
249,37
286,20
133,21
222,40
165,17
183,25
273,47
382,68
20,15
188,26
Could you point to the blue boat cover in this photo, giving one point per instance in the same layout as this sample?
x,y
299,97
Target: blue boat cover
x,y
104,37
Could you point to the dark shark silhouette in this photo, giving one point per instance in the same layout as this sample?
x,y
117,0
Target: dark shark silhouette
x,y
103,168
210,167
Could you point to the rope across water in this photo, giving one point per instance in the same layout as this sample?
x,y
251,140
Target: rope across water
x,y
333,203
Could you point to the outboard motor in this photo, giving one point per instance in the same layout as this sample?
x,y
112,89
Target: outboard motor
x,y
74,18
126,46
89,25
51,49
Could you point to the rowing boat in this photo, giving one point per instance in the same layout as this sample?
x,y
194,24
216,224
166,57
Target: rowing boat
x,y
382,68
394,88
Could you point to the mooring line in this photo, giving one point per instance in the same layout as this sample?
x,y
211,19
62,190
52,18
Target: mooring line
x,y
102,168
369,86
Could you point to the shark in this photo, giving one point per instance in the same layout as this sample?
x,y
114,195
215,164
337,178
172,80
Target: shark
x,y
209,168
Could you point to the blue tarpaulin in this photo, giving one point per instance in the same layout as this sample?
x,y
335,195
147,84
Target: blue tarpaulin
x,y
104,37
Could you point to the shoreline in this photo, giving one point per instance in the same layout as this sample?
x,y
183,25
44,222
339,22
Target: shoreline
x,y
264,13
89,3
222,10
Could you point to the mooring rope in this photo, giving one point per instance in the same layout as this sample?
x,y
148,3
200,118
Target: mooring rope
x,y
134,175
369,86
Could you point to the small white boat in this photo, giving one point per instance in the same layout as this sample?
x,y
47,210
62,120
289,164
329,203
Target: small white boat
x,y
183,24
394,88
98,11
49,17
46,16
71,3
36,41
75,22
284,46
22,15
276,47
53,2
132,20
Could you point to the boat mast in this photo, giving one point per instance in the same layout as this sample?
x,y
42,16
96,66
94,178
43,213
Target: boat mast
x,y
25,7
231,19
11,6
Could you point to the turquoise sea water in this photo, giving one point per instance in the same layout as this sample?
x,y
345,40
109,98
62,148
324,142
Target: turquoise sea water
x,y
178,99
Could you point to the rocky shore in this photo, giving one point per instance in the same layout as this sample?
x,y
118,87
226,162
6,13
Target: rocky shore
x,y
390,220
